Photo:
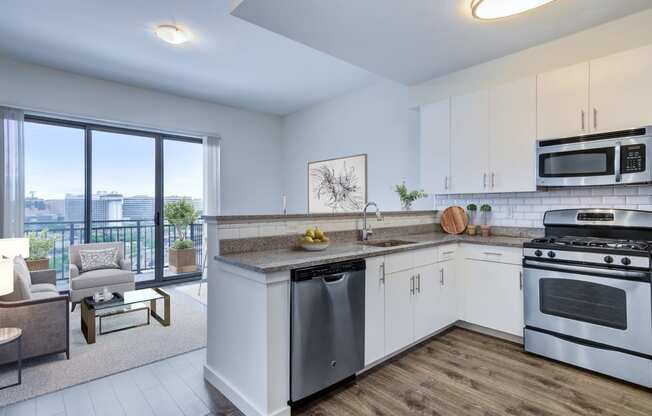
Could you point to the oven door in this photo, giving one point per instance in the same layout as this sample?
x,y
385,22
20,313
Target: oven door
x,y
612,311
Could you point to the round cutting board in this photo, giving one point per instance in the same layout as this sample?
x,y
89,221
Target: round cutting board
x,y
454,220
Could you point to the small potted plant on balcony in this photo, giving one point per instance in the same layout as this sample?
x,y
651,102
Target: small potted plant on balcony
x,y
40,244
485,210
408,197
183,255
472,210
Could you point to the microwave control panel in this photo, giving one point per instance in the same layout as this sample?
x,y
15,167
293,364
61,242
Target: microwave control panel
x,y
632,158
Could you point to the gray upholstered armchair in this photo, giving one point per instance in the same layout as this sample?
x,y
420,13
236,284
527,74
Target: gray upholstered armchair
x,y
40,311
84,284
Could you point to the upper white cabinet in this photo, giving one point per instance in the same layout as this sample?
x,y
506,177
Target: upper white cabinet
x,y
563,102
512,136
435,147
621,90
470,142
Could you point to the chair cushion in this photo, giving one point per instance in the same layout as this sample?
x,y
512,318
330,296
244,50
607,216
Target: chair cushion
x,y
43,295
44,287
105,258
22,282
101,278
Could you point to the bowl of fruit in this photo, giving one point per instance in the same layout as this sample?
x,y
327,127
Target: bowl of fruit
x,y
314,239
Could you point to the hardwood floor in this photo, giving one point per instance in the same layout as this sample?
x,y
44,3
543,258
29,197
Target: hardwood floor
x,y
466,373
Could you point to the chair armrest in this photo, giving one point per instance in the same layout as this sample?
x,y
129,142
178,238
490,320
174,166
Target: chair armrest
x,y
74,270
125,264
44,276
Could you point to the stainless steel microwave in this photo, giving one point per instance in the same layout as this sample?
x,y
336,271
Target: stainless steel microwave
x,y
620,157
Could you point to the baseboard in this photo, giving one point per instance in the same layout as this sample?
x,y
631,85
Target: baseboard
x,y
490,332
236,397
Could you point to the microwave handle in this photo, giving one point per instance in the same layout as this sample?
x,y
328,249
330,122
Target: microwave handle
x,y
617,162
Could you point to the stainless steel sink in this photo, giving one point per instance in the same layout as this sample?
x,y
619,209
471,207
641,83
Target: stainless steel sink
x,y
386,243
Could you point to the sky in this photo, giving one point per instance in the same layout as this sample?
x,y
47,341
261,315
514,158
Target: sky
x,y
54,163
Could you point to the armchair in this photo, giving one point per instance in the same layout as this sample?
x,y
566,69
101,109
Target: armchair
x,y
84,284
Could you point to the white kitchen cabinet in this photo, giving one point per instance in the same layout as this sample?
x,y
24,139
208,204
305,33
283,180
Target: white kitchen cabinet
x,y
493,295
426,301
399,313
435,157
447,305
374,331
563,102
470,142
512,136
620,90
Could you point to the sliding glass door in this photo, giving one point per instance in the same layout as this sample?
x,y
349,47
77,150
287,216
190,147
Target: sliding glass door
x,y
88,183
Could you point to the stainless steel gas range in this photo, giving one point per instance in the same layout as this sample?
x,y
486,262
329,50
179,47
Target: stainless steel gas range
x,y
587,291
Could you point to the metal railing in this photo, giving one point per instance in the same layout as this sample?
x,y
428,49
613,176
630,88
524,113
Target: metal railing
x,y
137,236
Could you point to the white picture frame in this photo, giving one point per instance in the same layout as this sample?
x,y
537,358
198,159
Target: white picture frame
x,y
337,185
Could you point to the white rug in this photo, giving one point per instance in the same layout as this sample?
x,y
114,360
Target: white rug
x,y
112,353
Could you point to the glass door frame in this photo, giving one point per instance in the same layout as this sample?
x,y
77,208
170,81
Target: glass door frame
x,y
159,223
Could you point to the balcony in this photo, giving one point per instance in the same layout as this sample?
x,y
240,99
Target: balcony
x,y
137,236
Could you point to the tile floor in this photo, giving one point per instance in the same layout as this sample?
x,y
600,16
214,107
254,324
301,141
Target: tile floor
x,y
172,387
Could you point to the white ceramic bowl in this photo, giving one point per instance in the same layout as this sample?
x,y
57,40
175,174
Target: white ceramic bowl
x,y
314,246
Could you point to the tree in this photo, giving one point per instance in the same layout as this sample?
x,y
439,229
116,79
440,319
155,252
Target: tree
x,y
181,214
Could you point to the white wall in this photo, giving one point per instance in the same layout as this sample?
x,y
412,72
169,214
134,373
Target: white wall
x,y
382,120
251,154
375,121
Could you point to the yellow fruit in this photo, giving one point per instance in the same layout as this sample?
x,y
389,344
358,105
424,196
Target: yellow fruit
x,y
310,233
308,239
325,239
319,233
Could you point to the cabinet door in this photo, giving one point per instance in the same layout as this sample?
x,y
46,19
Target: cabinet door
x,y
512,136
493,297
562,102
448,302
621,88
427,299
435,147
399,317
470,142
374,331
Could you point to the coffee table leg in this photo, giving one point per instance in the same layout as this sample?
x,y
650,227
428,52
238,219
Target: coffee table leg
x,y
88,323
20,360
165,319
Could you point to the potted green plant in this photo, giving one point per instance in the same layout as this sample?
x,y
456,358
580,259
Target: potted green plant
x,y
472,210
182,255
408,197
40,244
485,211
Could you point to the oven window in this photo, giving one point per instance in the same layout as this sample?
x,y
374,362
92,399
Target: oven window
x,y
589,162
584,301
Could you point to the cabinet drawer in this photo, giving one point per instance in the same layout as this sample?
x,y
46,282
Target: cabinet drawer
x,y
446,252
398,262
508,255
424,256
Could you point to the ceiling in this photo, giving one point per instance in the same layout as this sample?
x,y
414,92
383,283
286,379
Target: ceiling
x,y
229,61
412,41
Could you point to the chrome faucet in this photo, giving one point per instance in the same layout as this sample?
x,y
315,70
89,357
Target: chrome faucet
x,y
366,232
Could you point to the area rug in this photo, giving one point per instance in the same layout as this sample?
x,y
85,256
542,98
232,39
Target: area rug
x,y
112,353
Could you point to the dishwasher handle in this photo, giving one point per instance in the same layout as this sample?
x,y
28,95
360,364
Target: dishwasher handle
x,y
333,278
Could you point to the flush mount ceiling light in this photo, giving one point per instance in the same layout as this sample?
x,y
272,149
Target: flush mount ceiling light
x,y
495,9
172,34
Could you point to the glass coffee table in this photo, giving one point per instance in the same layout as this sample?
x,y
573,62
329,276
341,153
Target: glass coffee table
x,y
130,302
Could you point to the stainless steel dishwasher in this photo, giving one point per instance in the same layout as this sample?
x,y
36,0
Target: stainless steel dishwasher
x,y
326,326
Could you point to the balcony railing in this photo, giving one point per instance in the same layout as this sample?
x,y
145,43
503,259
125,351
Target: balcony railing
x,y
137,237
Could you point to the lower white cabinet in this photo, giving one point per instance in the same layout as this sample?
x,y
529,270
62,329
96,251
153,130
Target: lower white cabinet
x,y
399,312
427,301
374,309
448,300
493,295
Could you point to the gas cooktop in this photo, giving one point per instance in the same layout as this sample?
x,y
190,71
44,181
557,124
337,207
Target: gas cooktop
x,y
616,244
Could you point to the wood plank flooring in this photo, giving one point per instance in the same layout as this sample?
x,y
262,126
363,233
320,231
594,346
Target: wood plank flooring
x,y
465,373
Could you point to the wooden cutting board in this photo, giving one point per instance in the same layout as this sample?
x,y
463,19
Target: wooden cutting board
x,y
454,220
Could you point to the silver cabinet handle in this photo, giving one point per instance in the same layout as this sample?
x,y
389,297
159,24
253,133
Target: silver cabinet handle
x,y
484,181
520,280
447,253
595,118
412,285
493,180
419,283
583,117
382,273
441,277
491,253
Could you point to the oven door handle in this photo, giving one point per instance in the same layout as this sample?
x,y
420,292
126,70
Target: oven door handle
x,y
617,162
616,274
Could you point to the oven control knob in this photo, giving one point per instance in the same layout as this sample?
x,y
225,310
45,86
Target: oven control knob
x,y
626,261
608,259
538,253
551,254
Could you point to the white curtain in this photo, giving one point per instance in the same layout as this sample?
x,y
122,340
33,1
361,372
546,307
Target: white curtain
x,y
13,166
211,147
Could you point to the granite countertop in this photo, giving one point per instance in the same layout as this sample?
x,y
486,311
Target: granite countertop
x,y
280,260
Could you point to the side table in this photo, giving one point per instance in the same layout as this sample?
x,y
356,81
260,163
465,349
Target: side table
x,y
7,336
